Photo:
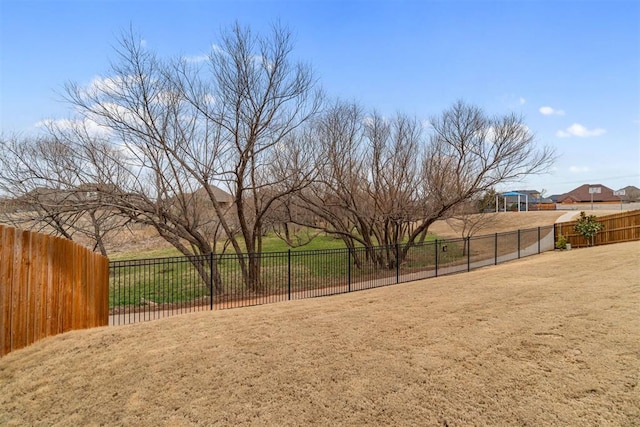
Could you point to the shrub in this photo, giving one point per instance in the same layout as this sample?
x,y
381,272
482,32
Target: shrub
x,y
588,227
561,243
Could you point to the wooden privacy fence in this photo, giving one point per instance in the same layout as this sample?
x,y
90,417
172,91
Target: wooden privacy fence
x,y
621,227
48,285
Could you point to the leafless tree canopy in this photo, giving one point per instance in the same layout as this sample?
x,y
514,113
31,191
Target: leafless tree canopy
x,y
42,180
242,144
172,132
386,181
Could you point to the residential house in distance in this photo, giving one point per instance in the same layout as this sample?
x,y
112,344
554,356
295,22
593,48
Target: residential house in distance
x,y
589,193
58,199
629,194
554,197
6,205
199,205
222,197
34,199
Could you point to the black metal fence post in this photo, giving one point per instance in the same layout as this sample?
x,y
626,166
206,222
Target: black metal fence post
x,y
348,269
495,250
397,262
468,253
289,274
538,239
211,267
437,250
518,243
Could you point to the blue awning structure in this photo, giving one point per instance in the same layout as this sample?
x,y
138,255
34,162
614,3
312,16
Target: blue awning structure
x,y
514,194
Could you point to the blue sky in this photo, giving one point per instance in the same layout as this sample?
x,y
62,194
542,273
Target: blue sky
x,y
571,68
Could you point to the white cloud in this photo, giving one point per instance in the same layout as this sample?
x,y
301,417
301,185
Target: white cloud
x,y
577,129
196,58
110,85
103,84
91,127
549,111
143,43
522,101
578,169
489,134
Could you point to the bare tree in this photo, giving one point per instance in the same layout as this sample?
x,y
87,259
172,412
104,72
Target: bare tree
x,y
44,190
261,101
367,185
470,153
174,130
383,183
336,199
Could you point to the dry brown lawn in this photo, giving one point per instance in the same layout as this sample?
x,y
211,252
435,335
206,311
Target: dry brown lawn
x,y
553,339
511,221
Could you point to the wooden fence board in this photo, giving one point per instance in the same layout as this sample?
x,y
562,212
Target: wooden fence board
x,y
104,291
43,269
66,287
33,308
48,285
51,303
58,287
81,284
618,228
7,238
20,290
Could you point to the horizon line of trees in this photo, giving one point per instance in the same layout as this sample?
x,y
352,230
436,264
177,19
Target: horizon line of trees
x,y
151,143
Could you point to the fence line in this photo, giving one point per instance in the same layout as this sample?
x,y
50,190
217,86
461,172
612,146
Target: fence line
x,y
48,285
618,228
148,289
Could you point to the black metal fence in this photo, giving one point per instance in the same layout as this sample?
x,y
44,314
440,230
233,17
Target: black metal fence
x,y
147,289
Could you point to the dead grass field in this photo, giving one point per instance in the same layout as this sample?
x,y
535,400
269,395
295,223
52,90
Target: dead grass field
x,y
553,339
512,221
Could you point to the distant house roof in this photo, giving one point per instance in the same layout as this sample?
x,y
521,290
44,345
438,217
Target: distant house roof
x,y
631,193
220,195
582,195
543,200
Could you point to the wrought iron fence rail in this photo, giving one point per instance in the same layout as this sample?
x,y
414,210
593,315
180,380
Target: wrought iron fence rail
x,y
148,289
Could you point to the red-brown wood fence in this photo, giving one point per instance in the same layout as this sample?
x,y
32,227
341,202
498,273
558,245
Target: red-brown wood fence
x,y
621,227
48,285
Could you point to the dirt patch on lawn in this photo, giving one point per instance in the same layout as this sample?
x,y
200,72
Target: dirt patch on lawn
x,y
549,340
